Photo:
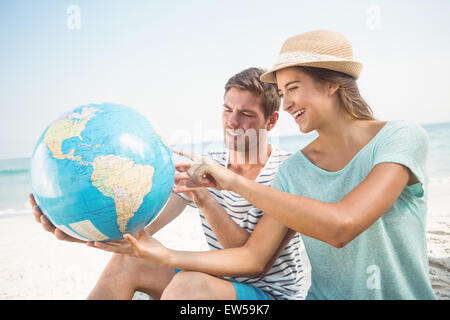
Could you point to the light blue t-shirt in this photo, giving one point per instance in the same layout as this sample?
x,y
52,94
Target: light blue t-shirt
x,y
389,259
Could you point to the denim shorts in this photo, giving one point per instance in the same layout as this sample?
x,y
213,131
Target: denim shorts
x,y
246,291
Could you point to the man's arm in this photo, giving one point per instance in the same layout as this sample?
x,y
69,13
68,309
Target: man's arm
x,y
174,206
227,232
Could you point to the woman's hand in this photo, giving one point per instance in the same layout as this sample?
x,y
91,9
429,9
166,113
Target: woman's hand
x,y
143,246
204,172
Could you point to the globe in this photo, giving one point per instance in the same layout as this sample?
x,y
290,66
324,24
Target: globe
x,y
101,170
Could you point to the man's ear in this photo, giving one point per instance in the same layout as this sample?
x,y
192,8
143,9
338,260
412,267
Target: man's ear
x,y
272,121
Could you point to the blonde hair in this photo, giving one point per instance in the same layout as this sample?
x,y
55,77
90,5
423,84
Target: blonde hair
x,y
348,91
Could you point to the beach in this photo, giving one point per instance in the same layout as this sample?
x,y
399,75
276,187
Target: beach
x,y
35,265
438,241
438,237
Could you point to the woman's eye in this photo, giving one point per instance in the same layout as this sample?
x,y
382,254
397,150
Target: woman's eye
x,y
292,89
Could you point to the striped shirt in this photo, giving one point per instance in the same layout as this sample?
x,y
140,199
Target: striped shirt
x,y
285,280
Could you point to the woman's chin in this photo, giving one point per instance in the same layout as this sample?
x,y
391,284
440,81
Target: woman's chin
x,y
304,129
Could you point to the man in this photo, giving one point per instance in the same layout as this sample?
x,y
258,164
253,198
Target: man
x,y
250,110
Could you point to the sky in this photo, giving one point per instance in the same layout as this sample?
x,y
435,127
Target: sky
x,y
170,60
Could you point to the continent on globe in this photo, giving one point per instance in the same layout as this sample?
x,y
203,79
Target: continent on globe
x,y
101,170
125,182
65,129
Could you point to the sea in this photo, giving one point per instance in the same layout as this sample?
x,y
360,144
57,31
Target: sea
x,y
15,175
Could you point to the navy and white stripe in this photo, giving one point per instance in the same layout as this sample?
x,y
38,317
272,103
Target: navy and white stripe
x,y
285,280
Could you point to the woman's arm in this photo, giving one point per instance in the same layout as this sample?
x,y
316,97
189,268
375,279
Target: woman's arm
x,y
249,260
334,223
252,259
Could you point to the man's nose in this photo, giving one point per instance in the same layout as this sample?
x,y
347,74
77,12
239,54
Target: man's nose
x,y
233,120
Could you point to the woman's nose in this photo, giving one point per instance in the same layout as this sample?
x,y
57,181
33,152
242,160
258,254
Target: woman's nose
x,y
287,104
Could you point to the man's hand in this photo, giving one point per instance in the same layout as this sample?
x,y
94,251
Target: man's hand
x,y
47,225
200,195
204,172
227,231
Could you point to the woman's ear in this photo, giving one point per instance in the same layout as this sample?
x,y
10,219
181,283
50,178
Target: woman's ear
x,y
332,88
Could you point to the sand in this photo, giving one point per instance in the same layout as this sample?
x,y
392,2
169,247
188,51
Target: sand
x,y
34,265
438,241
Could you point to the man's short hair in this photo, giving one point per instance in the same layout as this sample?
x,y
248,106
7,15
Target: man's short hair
x,y
248,79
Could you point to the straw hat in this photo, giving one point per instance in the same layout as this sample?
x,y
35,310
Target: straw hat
x,y
322,49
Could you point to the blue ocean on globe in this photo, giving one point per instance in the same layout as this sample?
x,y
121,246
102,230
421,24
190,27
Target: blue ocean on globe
x,y
101,170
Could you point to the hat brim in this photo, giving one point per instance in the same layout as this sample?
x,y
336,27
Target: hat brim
x,y
352,68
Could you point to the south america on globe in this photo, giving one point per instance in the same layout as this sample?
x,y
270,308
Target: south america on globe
x,y
101,170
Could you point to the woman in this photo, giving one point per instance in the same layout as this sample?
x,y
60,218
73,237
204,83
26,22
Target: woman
x,y
356,194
